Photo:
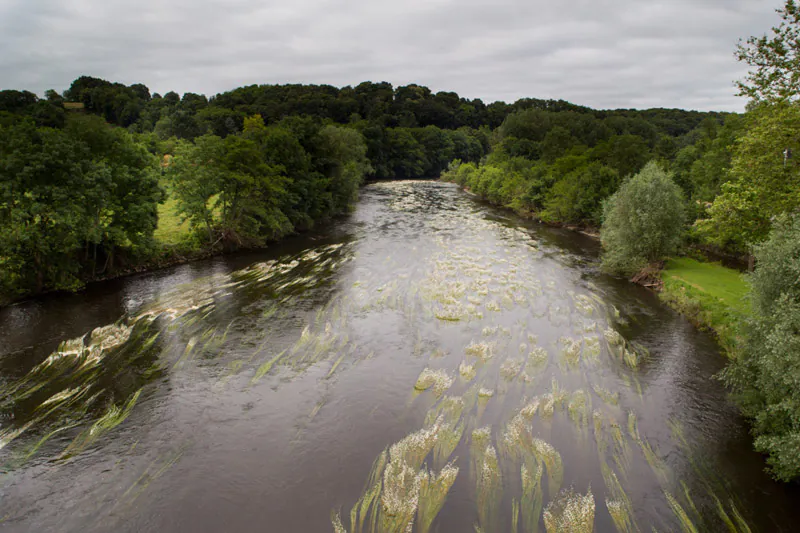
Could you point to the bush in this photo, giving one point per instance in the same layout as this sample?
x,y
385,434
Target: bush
x,y
643,221
766,376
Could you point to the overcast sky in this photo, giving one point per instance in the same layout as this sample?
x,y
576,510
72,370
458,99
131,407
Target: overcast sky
x,y
600,53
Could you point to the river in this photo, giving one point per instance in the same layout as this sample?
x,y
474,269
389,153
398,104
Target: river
x,y
429,359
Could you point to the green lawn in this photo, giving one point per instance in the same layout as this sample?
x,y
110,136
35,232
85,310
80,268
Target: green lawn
x,y
710,294
170,230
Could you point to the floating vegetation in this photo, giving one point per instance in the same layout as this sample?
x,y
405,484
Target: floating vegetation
x,y
592,344
113,417
532,498
538,357
545,453
516,436
621,516
570,513
432,494
467,371
439,380
611,398
489,331
618,504
530,408
613,337
449,436
579,407
510,368
400,497
571,353
489,490
687,526
481,350
584,304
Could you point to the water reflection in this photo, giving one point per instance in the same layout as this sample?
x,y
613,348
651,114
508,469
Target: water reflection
x,y
430,362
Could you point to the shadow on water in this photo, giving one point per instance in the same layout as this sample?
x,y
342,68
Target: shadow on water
x,y
430,360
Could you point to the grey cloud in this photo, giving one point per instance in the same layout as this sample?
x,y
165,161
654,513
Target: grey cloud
x,y
601,53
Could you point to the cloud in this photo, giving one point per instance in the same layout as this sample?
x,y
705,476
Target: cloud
x,y
600,53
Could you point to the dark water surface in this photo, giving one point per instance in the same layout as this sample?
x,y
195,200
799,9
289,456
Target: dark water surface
x,y
255,392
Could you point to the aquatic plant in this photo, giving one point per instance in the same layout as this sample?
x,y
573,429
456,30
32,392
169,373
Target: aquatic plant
x,y
611,398
449,437
548,455
489,490
538,357
571,352
510,368
530,408
467,371
620,515
532,498
686,524
433,492
439,380
400,497
113,417
481,350
570,513
579,407
613,337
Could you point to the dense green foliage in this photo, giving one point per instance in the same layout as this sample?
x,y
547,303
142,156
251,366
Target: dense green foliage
x,y
643,221
560,166
70,199
265,182
765,376
774,60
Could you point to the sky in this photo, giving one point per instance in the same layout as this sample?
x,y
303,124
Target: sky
x,y
599,53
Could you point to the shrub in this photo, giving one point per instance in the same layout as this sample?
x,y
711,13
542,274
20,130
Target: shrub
x,y
766,376
643,221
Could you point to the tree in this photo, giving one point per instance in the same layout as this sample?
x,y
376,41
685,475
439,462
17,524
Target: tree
x,y
643,221
774,60
195,181
764,376
763,182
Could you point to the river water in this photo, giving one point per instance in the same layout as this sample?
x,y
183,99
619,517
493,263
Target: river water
x,y
427,362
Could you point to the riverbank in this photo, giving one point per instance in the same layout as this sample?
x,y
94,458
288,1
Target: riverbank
x,y
711,296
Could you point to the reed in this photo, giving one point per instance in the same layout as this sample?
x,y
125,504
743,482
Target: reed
x,y
570,513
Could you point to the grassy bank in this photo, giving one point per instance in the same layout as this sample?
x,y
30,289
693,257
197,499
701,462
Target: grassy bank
x,y
710,295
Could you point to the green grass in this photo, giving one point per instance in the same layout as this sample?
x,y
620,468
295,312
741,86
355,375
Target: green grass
x,y
171,230
710,295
